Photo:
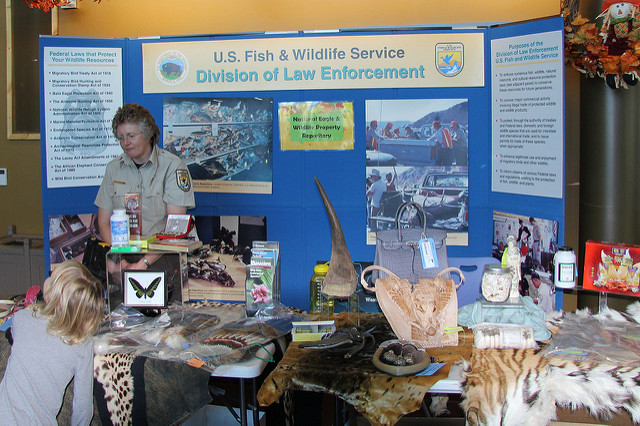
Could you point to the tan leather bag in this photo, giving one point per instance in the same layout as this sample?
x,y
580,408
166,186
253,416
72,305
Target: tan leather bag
x,y
426,312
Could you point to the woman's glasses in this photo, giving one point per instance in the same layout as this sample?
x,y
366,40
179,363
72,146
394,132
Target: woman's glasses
x,y
128,136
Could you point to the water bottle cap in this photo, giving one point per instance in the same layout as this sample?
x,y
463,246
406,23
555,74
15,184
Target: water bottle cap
x,y
321,268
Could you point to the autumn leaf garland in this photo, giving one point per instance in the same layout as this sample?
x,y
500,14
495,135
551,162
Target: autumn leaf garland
x,y
585,50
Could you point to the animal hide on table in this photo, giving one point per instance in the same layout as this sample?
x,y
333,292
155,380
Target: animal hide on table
x,y
139,390
119,388
380,398
171,390
504,387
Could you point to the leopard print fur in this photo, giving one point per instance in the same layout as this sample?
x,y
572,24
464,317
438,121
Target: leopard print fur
x,y
113,372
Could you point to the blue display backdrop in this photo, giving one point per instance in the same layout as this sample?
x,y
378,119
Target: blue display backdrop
x,y
295,214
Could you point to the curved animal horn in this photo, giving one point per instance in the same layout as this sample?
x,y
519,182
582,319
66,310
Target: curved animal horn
x,y
341,277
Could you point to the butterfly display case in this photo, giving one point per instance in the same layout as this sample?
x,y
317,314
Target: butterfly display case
x,y
153,288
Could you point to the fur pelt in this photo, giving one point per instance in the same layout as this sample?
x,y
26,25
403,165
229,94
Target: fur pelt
x,y
524,388
517,387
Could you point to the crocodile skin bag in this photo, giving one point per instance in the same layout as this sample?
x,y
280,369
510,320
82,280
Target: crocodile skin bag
x,y
398,250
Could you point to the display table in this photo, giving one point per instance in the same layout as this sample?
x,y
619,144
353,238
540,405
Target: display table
x,y
215,337
500,386
132,388
162,392
379,397
247,370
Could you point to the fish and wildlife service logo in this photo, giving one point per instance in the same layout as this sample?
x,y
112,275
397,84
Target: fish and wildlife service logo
x,y
182,178
449,58
172,67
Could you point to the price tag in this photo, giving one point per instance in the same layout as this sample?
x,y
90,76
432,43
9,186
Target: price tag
x,y
195,363
428,253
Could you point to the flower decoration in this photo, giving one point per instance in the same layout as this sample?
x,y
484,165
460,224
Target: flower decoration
x,y
610,51
260,293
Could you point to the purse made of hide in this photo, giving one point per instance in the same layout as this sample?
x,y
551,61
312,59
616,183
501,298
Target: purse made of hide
x,y
426,312
398,250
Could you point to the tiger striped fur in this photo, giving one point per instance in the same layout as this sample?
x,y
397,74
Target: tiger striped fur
x,y
519,387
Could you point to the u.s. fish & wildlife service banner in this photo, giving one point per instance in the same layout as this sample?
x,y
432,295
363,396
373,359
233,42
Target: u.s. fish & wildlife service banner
x,y
302,63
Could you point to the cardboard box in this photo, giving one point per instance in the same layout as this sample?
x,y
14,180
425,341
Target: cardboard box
x,y
309,331
612,268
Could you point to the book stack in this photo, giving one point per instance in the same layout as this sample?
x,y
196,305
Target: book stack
x,y
263,276
179,244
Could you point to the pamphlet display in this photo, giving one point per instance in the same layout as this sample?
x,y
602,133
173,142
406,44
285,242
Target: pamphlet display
x,y
263,276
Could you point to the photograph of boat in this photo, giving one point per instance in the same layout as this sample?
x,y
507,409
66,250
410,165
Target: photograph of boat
x,y
417,150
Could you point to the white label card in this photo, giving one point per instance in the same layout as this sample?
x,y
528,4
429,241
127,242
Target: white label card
x,y
428,253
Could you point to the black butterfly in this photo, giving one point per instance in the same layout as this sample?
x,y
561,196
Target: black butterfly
x,y
146,292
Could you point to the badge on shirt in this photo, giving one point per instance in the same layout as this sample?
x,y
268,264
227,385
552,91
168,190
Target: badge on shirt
x,y
184,182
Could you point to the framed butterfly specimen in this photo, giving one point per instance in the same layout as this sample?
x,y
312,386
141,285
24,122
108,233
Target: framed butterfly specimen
x,y
144,289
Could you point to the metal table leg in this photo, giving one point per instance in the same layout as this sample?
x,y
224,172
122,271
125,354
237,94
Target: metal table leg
x,y
243,405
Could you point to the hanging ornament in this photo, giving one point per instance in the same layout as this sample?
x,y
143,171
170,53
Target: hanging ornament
x,y
610,51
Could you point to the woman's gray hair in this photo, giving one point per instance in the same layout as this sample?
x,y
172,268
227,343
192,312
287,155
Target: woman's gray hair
x,y
137,114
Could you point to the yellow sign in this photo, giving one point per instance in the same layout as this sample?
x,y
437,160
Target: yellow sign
x,y
316,125
303,63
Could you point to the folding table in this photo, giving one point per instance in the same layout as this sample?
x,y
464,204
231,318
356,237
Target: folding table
x,y
249,369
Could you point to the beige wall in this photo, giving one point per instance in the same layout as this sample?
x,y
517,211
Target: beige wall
x,y
20,201
126,18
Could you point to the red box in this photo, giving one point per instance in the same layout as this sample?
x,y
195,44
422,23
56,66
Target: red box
x,y
612,267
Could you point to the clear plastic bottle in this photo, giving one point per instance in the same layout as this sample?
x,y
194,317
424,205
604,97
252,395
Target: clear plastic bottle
x,y
119,228
319,272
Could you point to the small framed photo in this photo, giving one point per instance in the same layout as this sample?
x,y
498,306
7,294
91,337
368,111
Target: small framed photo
x,y
144,289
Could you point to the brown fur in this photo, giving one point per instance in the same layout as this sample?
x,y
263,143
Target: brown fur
x,y
524,388
380,398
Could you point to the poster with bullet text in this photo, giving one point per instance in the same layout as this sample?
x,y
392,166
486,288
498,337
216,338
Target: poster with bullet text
x,y
82,91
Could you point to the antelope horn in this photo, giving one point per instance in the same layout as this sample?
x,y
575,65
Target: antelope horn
x,y
341,277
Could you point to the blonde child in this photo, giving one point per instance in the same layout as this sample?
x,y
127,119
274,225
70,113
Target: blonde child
x,y
52,344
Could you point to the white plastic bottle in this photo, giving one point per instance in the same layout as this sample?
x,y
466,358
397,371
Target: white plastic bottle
x,y
119,228
565,268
